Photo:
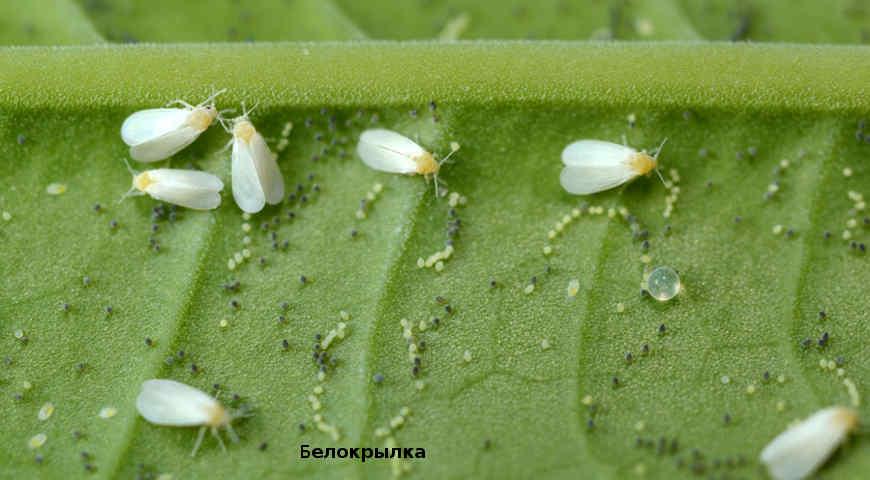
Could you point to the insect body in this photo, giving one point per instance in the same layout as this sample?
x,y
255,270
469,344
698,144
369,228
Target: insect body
x,y
188,188
171,403
392,152
800,450
159,133
257,179
593,166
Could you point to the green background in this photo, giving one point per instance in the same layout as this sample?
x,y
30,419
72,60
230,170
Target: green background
x,y
732,111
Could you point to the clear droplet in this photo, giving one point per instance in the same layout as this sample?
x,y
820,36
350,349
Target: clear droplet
x,y
663,283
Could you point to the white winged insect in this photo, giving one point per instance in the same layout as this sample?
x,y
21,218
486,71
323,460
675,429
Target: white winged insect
x,y
800,450
257,180
392,152
592,166
159,133
171,403
188,188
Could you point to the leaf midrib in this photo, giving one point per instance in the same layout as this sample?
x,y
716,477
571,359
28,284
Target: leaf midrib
x,y
776,78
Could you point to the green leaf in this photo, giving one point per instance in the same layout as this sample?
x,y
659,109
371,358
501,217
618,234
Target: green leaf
x,y
516,409
227,20
45,22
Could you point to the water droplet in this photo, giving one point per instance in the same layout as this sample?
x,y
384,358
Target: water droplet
x,y
663,283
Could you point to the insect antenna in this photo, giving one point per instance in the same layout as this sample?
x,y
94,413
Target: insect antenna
x,y
452,151
659,150
130,169
246,112
132,191
444,160
127,194
226,123
182,103
210,99
656,157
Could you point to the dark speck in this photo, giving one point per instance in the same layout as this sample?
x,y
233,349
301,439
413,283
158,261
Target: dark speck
x,y
823,341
